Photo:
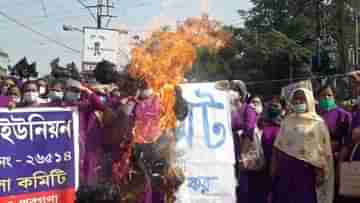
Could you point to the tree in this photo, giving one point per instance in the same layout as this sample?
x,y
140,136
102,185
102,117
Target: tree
x,y
253,58
295,18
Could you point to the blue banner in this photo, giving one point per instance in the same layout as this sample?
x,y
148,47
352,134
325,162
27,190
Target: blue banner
x,y
38,152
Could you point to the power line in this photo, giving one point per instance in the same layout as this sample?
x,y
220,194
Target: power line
x,y
100,8
43,6
38,33
86,7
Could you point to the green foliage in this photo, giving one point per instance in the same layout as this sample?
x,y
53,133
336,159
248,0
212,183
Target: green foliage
x,y
279,36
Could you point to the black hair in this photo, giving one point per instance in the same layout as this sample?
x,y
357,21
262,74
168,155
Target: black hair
x,y
29,82
252,97
324,87
105,72
42,79
283,102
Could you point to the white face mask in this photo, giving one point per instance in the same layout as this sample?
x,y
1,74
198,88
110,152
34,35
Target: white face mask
x,y
16,99
31,97
147,93
103,99
42,90
257,108
72,96
56,95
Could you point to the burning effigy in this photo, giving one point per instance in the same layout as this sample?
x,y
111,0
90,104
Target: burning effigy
x,y
162,62
139,129
164,58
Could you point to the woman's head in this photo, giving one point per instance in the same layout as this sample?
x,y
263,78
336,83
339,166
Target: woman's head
x,y
56,91
43,87
6,85
275,108
30,92
326,92
299,101
255,102
145,90
15,94
72,91
327,98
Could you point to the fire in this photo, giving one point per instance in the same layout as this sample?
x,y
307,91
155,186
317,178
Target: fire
x,y
203,32
164,58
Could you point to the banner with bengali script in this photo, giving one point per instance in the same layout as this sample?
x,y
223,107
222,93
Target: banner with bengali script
x,y
205,149
38,155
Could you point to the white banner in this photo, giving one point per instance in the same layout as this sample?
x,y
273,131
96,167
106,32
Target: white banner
x,y
205,147
100,44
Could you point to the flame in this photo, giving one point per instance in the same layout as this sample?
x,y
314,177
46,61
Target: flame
x,y
203,32
164,58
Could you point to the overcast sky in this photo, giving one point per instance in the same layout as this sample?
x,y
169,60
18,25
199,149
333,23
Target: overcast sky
x,y
48,16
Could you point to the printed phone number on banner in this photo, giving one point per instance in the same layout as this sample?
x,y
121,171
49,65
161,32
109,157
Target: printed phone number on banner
x,y
36,160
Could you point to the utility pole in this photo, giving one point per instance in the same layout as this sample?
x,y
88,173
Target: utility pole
x,y
356,37
318,33
356,5
103,10
318,18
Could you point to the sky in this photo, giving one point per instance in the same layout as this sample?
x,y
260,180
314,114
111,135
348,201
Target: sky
x,y
48,16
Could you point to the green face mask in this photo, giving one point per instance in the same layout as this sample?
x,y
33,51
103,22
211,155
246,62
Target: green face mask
x,y
274,113
327,104
300,108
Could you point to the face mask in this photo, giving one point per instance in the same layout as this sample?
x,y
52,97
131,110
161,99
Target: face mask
x,y
103,99
258,108
55,95
72,96
147,93
300,108
31,97
274,113
42,90
16,99
327,104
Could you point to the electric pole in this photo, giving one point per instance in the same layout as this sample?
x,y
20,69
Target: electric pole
x,y
318,34
356,5
103,10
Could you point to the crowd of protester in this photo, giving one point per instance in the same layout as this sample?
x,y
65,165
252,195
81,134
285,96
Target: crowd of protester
x,y
110,154
304,139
